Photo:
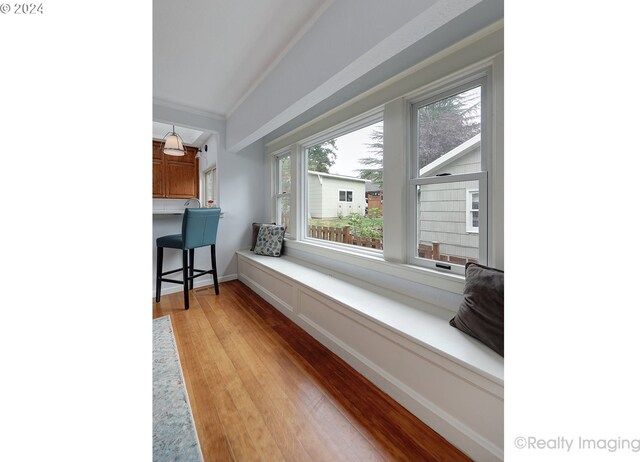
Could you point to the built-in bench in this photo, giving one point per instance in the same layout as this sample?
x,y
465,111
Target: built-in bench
x,y
449,380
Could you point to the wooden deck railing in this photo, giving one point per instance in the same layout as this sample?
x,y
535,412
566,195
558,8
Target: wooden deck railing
x,y
344,236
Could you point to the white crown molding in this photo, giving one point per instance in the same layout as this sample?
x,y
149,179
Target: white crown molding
x,y
188,109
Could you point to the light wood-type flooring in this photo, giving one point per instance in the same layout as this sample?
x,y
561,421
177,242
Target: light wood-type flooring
x,y
263,389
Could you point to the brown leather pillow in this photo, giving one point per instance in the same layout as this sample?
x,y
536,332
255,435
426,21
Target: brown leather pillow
x,y
481,313
254,238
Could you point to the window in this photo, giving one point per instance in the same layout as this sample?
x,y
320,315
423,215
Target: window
x,y
283,189
448,181
432,149
345,196
473,210
342,167
209,186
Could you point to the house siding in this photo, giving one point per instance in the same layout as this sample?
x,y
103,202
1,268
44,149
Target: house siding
x,y
315,196
443,207
324,199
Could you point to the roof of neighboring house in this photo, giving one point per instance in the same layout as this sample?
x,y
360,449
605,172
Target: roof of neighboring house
x,y
339,177
455,153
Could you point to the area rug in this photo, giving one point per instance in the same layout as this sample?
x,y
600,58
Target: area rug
x,y
174,432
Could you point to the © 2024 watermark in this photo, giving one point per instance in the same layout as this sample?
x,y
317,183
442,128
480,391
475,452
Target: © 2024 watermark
x,y
581,443
21,8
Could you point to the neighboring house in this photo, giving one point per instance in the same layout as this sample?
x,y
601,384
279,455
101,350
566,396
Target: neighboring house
x,y
374,196
332,196
449,211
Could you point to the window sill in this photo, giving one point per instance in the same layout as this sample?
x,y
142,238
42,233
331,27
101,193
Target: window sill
x,y
370,267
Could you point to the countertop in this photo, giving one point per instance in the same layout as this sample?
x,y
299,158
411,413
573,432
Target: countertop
x,y
174,212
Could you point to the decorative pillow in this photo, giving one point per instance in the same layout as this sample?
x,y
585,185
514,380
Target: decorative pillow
x,y
255,228
481,313
269,241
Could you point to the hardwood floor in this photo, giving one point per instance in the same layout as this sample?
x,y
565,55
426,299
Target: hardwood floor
x,y
263,389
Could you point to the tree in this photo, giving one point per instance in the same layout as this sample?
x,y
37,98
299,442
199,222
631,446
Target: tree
x,y
446,124
374,161
322,156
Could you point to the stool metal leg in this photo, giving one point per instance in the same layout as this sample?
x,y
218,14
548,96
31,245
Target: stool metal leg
x,y
215,269
160,251
191,266
185,278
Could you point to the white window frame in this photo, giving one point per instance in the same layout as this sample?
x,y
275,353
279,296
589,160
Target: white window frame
x,y
480,78
470,210
363,120
278,195
346,195
211,170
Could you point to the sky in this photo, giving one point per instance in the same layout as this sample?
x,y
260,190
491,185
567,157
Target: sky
x,y
351,148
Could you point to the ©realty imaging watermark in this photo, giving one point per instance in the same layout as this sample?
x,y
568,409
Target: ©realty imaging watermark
x,y
581,443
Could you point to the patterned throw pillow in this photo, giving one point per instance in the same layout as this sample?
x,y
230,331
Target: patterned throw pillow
x,y
269,242
255,227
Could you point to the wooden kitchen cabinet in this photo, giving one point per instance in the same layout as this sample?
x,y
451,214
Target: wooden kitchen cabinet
x,y
175,177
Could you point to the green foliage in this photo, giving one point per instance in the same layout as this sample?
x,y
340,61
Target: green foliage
x,y
322,156
373,163
366,226
447,123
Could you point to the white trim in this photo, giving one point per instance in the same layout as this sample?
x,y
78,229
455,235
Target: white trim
x,y
466,42
482,77
276,194
452,155
472,59
433,370
340,177
359,259
365,119
346,196
189,109
470,209
173,288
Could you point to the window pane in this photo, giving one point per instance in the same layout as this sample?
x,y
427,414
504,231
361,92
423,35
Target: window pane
x,y
284,174
284,209
443,222
443,128
208,186
475,201
342,173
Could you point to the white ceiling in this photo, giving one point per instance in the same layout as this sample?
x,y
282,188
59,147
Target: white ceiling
x,y
207,55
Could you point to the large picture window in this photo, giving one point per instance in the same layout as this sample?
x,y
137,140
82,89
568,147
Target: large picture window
x,y
448,181
432,149
343,170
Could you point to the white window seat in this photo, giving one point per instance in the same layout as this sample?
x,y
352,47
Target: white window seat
x,y
452,382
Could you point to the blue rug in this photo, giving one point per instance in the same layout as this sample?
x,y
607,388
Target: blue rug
x,y
174,432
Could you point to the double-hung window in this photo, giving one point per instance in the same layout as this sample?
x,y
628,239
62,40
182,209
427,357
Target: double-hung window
x,y
449,176
283,189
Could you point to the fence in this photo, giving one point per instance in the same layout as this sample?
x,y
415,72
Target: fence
x,y
432,252
344,236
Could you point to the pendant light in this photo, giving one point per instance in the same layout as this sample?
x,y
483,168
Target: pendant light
x,y
173,145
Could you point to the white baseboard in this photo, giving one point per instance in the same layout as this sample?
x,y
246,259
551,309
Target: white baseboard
x,y
441,412
170,288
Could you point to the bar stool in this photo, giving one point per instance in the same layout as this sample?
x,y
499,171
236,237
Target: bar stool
x,y
199,229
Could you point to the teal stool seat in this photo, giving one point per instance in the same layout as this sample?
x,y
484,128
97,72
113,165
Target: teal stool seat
x,y
199,229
